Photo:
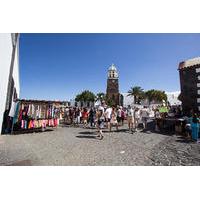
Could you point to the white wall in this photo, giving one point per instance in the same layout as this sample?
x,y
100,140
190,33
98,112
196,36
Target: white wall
x,y
128,100
5,60
172,97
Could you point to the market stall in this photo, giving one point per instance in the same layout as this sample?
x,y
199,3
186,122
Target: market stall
x,y
33,115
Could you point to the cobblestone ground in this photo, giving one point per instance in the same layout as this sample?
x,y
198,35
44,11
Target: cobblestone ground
x,y
78,146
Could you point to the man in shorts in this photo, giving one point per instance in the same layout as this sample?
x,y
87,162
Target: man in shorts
x,y
130,118
108,116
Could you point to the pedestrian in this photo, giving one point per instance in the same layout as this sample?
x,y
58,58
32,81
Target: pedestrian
x,y
108,116
113,120
71,115
122,116
157,120
194,121
77,116
130,118
119,114
100,122
91,117
144,115
85,117
136,117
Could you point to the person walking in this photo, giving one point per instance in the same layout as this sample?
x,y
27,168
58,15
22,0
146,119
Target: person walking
x,y
85,117
108,116
136,117
113,120
100,122
194,121
130,118
119,115
157,120
91,117
144,115
122,116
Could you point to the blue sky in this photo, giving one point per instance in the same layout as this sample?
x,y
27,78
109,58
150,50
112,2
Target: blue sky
x,y
58,66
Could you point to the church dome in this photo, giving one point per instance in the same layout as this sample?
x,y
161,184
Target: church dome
x,y
112,72
112,68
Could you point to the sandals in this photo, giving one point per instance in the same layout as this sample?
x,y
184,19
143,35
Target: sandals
x,y
100,137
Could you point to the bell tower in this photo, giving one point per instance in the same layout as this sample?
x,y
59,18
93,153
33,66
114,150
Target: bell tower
x,y
112,91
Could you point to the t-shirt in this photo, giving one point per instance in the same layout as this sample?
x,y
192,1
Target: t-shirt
x,y
108,113
157,114
130,112
122,114
144,112
137,114
119,113
85,114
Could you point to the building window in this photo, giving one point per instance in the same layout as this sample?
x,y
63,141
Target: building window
x,y
198,91
198,84
198,100
198,77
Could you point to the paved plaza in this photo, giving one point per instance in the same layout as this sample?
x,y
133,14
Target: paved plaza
x,y
78,146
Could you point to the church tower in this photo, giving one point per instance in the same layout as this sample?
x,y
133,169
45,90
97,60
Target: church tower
x,y
112,91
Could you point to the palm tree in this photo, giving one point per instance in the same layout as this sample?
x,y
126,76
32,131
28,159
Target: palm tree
x,y
150,95
137,92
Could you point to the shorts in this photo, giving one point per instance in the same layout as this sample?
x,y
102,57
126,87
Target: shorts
x,y
107,119
130,119
144,119
113,122
119,119
101,124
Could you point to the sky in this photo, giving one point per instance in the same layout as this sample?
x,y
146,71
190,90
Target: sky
x,y
59,66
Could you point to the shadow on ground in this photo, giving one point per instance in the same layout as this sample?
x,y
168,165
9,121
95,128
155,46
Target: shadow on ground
x,y
87,136
87,133
29,131
20,163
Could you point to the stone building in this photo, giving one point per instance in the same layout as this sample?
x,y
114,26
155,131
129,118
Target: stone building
x,y
112,91
189,72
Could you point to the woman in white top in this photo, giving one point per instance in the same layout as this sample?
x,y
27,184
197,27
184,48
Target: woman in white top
x,y
130,118
137,117
144,115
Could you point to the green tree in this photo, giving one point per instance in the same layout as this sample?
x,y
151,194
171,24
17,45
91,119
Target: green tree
x,y
137,92
101,96
85,96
